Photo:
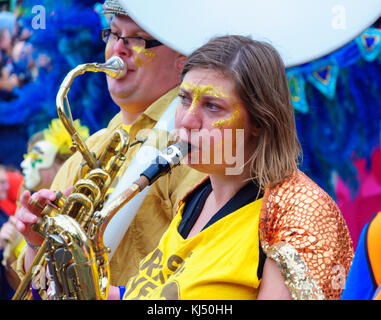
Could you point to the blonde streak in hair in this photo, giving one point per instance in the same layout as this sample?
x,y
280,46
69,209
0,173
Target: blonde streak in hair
x,y
268,162
292,147
287,146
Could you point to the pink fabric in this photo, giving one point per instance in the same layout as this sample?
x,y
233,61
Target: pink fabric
x,y
358,211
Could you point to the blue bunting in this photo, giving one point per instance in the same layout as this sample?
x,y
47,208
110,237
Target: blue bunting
x,y
297,88
343,98
369,43
324,76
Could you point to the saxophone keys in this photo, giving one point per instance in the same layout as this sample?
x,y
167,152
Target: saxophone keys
x,y
34,202
39,226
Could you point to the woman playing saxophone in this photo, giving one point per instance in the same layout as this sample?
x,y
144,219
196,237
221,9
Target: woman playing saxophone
x,y
256,227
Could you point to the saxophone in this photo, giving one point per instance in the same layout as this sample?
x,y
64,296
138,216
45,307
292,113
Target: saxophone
x,y
73,226
67,223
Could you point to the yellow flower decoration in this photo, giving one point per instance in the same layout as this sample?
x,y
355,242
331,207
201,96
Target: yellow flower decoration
x,y
57,134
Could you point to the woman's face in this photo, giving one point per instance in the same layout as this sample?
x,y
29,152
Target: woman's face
x,y
214,120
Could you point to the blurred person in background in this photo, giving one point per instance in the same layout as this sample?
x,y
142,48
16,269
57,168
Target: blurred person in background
x,y
15,180
6,291
364,278
17,66
7,80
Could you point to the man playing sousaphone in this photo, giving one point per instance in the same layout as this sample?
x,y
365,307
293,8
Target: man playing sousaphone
x,y
143,94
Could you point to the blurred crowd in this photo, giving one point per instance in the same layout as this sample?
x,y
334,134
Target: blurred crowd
x,y
11,181
18,66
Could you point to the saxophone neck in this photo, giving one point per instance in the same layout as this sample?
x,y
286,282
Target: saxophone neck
x,y
114,67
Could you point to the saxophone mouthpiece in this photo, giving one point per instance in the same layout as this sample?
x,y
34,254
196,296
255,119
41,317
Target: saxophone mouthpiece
x,y
167,160
115,67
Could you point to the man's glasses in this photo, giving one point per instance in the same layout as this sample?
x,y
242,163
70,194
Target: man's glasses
x,y
108,35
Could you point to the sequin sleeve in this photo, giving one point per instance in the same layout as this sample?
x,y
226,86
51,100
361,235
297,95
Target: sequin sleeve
x,y
303,231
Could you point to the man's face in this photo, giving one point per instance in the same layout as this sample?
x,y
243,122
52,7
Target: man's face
x,y
150,72
40,158
4,185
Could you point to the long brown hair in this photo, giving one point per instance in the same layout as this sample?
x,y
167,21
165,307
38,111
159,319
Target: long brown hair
x,y
261,82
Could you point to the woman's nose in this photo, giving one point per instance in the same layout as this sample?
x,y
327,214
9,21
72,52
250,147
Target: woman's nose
x,y
192,118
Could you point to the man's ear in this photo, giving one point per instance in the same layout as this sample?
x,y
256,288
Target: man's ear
x,y
180,62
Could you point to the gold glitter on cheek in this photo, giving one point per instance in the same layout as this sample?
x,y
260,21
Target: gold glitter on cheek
x,y
221,124
138,49
234,118
143,56
138,61
107,49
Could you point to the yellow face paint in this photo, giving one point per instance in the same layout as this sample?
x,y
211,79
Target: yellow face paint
x,y
199,91
211,91
147,55
107,50
229,121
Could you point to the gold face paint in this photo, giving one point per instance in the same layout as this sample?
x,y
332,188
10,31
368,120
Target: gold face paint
x,y
107,50
221,124
199,91
147,54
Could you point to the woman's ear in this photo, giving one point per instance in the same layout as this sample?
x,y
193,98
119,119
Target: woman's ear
x,y
180,62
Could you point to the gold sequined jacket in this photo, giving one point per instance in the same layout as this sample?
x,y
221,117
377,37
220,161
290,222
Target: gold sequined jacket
x,y
304,232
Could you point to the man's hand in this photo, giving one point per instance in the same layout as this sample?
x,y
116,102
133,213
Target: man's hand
x,y
29,214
